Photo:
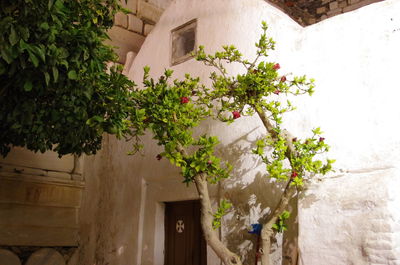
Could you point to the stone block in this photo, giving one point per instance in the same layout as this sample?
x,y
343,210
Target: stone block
x,y
121,20
46,256
59,175
4,168
131,5
74,258
124,41
135,24
333,5
149,12
8,258
351,2
48,160
147,29
30,192
311,21
358,4
29,215
321,10
342,4
334,12
38,236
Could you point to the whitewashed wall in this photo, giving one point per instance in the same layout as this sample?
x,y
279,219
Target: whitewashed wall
x,y
350,217
218,23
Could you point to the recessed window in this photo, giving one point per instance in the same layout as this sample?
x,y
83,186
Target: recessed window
x,y
183,42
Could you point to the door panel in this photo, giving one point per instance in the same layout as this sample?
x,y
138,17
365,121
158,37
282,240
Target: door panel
x,y
184,241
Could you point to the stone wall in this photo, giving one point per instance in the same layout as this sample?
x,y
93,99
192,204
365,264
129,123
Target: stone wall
x,y
307,12
131,29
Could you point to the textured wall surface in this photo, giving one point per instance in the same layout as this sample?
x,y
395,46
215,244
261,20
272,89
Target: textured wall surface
x,y
352,219
353,58
307,12
218,23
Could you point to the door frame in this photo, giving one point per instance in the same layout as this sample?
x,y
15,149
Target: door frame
x,y
151,236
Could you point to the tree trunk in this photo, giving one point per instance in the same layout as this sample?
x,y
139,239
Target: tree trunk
x,y
227,257
267,232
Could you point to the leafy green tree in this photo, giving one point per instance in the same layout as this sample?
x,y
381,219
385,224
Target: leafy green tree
x,y
172,110
55,92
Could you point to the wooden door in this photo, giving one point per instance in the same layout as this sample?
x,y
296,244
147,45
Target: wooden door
x,y
184,241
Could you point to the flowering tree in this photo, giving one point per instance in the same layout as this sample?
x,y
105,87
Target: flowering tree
x,y
171,110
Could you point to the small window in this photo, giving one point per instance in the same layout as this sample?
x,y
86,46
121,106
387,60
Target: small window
x,y
183,42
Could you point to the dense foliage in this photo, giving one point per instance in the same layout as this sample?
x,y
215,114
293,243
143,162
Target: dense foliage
x,y
55,92
171,110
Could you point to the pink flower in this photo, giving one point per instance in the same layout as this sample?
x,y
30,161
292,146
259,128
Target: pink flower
x,y
159,157
184,100
294,174
236,114
209,162
321,139
276,92
283,78
276,66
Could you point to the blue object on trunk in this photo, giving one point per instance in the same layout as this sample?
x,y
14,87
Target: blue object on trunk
x,y
255,229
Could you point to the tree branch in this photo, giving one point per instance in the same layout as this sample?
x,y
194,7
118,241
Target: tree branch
x,y
207,217
211,236
267,231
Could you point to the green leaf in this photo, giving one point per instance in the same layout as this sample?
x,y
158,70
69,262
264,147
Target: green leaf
x,y
47,78
13,38
6,55
24,32
50,4
28,86
55,73
44,26
33,59
23,45
40,51
72,75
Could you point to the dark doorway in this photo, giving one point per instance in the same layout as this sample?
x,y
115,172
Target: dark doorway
x,y
184,241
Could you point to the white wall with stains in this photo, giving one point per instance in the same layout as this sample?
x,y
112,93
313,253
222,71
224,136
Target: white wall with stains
x,y
354,58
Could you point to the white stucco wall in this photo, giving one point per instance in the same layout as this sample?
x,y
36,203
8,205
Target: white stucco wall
x,y
218,23
354,59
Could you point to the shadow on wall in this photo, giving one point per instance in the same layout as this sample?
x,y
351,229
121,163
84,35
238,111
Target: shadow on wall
x,y
253,196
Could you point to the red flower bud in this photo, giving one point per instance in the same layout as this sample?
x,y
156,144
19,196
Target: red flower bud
x,y
294,139
184,100
276,66
236,114
283,78
159,157
294,174
276,92
321,139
